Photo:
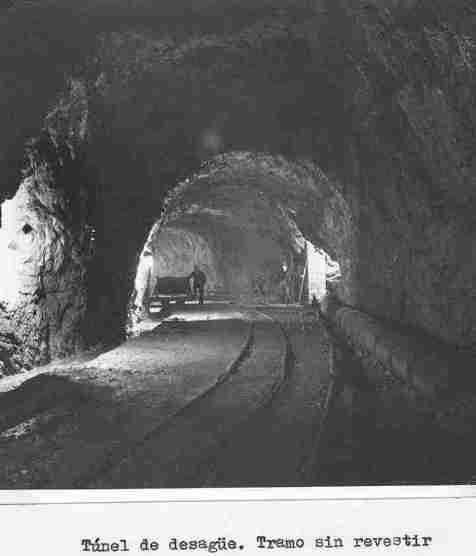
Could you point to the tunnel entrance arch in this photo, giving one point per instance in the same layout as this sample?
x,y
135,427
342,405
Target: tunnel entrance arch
x,y
251,220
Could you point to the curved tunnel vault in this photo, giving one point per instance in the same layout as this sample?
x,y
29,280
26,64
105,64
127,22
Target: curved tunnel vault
x,y
240,219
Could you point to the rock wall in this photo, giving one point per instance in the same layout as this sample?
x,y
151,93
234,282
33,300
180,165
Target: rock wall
x,y
11,360
404,155
177,251
46,249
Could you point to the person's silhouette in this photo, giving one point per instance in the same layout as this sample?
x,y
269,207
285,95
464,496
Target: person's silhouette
x,y
198,283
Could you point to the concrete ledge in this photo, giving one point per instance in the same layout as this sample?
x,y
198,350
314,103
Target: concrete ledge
x,y
424,363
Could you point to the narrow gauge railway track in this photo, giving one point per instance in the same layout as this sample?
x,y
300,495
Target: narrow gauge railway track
x,y
180,453
63,430
213,464
132,451
252,426
269,448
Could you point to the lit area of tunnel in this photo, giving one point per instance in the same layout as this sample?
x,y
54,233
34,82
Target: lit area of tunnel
x,y
10,256
23,243
42,285
322,274
263,215
177,251
174,253
240,222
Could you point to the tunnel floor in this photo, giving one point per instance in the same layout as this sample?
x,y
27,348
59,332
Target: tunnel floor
x,y
217,395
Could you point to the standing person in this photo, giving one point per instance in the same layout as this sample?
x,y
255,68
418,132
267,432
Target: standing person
x,y
198,283
284,284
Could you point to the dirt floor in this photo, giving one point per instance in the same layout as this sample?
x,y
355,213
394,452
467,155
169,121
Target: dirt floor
x,y
182,453
224,396
257,429
63,427
273,448
212,396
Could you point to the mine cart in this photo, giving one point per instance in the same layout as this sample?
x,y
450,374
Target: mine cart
x,y
171,289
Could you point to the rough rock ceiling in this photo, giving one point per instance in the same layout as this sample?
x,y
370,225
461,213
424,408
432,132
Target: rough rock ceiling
x,y
255,195
243,175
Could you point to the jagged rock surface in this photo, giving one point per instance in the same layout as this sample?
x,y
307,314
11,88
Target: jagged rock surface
x,y
378,97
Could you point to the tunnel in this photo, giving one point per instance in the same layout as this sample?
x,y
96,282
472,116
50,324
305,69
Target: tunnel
x,y
237,219
310,157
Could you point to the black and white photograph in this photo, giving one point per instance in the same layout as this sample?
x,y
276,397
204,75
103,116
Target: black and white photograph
x,y
237,244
